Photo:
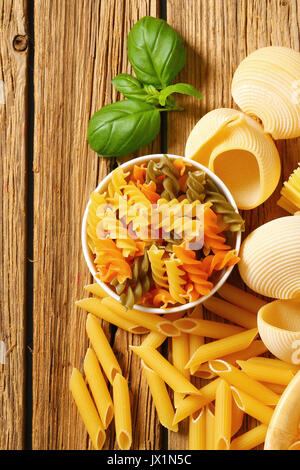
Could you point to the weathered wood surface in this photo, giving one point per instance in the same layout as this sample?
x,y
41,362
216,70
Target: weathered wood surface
x,y
80,45
13,86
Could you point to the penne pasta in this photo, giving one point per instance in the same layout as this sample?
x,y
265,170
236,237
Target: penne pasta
x,y
223,411
98,388
197,431
122,412
237,417
87,409
207,328
241,298
152,322
96,289
153,359
250,439
180,356
266,373
203,371
242,381
222,347
195,340
154,339
279,389
275,363
231,312
96,307
192,403
102,348
209,428
251,406
161,398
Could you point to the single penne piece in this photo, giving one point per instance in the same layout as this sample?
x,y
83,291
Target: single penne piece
x,y
222,347
95,289
180,356
241,298
197,430
122,412
223,411
276,388
267,361
154,339
242,381
237,417
87,409
165,370
250,439
98,387
94,306
206,328
231,312
254,349
152,322
266,373
161,398
195,340
251,406
102,348
193,403
209,428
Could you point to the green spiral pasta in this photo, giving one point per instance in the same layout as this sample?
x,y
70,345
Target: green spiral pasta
x,y
170,183
133,289
196,186
220,205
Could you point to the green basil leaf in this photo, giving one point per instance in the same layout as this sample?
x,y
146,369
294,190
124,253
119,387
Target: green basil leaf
x,y
155,51
129,86
183,88
122,127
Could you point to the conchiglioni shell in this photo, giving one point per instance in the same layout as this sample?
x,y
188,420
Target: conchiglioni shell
x,y
283,430
267,84
270,259
279,328
236,149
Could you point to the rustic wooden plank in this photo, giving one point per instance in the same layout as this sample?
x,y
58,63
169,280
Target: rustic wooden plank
x,y
78,50
219,34
13,116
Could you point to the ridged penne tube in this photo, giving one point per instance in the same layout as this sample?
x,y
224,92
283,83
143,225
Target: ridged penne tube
x,y
98,388
192,403
241,298
236,148
223,410
95,289
161,398
266,84
165,370
237,416
87,409
154,339
122,412
197,431
95,307
265,373
180,356
206,328
243,382
152,322
267,361
276,388
250,439
251,406
102,348
231,312
222,347
209,428
195,340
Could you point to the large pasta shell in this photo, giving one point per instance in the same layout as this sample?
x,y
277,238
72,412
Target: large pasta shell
x,y
267,84
279,328
270,258
236,149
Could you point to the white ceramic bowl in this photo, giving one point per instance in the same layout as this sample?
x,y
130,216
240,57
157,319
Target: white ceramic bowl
x,y
89,258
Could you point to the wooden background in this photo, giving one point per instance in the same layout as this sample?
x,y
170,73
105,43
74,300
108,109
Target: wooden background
x,y
57,58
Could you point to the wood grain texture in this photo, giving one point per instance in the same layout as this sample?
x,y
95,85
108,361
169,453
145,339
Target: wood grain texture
x,y
78,50
13,89
219,34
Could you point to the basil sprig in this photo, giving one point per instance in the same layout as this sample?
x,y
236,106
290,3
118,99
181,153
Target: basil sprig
x,y
157,54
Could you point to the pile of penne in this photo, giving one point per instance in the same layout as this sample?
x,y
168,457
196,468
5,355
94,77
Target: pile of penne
x,y
241,382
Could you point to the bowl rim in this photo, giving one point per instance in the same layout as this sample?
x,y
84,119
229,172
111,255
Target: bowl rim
x,y
88,256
